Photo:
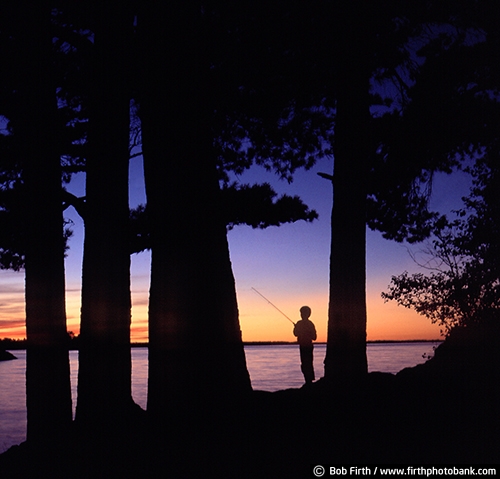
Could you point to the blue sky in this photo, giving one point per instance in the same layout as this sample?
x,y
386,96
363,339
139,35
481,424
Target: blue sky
x,y
288,264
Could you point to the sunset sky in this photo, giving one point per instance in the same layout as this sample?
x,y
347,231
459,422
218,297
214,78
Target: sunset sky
x,y
289,265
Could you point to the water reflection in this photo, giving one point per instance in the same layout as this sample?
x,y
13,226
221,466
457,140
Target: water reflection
x,y
271,368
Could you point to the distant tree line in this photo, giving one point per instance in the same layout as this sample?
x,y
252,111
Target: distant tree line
x,y
8,343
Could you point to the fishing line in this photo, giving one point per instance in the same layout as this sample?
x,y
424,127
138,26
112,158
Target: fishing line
x,y
274,306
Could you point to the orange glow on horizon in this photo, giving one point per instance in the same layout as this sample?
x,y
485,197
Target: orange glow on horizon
x,y
259,321
386,321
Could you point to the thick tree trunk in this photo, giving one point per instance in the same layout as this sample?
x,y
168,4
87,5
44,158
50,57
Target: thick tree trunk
x,y
195,344
48,390
104,380
346,342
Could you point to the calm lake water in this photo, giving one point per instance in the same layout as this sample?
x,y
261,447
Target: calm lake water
x,y
271,368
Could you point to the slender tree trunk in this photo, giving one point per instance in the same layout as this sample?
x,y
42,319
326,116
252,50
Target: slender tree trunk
x,y
346,342
195,345
47,373
104,380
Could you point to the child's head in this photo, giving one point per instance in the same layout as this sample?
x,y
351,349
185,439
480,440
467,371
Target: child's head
x,y
305,312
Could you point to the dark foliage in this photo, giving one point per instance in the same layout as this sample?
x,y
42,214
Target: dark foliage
x,y
446,112
462,283
252,205
12,246
256,206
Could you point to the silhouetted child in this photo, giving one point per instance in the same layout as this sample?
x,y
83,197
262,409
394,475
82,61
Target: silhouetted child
x,y
306,334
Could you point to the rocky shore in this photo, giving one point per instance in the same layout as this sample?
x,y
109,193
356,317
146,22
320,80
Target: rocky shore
x,y
6,356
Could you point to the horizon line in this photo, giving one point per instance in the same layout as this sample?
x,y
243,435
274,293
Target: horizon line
x,y
138,344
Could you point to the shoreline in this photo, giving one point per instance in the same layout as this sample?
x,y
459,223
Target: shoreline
x,y
19,344
317,343
380,418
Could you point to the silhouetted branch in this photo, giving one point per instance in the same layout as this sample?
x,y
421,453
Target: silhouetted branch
x,y
257,206
326,176
70,199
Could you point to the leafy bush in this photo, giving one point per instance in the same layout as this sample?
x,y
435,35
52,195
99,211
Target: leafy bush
x,y
462,285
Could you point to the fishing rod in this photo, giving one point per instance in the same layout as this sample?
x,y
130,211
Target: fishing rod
x,y
274,306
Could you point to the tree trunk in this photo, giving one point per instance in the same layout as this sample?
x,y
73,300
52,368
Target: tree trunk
x,y
104,379
346,341
48,392
195,346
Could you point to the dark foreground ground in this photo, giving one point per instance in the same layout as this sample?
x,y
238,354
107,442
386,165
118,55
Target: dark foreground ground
x,y
443,412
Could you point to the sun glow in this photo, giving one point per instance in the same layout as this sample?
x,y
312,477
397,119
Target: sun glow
x,y
259,321
385,321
